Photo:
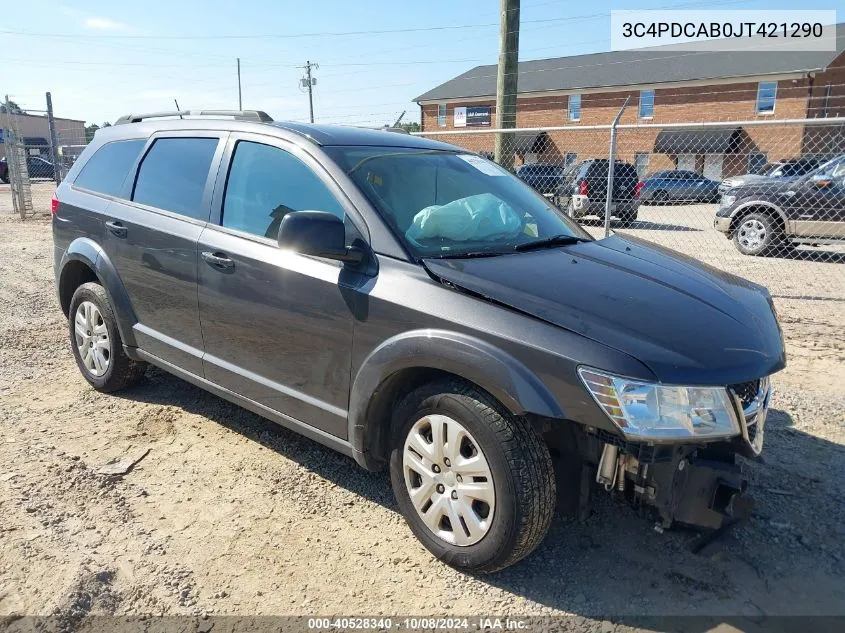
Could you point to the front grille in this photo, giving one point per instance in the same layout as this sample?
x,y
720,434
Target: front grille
x,y
746,391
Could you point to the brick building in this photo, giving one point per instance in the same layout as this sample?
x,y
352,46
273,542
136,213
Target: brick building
x,y
35,131
665,86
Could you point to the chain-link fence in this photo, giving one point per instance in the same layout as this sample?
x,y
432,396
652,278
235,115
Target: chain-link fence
x,y
761,199
36,152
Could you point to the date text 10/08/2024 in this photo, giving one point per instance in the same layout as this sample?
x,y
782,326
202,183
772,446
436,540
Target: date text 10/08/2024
x,y
423,623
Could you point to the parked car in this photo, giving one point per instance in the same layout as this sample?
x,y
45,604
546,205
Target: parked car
x,y
782,170
584,190
39,167
36,166
422,310
679,187
544,177
765,217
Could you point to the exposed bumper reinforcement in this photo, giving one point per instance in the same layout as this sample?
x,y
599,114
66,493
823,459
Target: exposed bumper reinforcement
x,y
701,493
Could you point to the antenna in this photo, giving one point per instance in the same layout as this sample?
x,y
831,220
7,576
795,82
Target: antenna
x,y
177,108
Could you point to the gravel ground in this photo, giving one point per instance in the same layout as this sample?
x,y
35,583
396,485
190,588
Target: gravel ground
x,y
229,514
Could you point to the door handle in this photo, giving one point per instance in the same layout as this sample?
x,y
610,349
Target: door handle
x,y
218,260
116,228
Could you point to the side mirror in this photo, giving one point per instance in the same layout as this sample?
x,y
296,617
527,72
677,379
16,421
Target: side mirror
x,y
317,233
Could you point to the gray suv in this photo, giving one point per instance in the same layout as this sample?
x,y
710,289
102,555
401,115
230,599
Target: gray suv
x,y
422,310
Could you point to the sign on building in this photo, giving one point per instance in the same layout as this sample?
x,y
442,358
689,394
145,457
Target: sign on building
x,y
472,116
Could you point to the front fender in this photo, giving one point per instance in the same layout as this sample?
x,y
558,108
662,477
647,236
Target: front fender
x,y
497,372
88,252
753,202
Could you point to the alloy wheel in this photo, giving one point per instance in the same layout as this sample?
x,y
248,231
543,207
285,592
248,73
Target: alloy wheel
x,y
92,338
448,480
752,234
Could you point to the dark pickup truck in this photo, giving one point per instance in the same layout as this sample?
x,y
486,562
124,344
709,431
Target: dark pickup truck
x,y
771,217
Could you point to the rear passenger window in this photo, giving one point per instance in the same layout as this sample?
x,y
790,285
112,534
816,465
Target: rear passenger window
x,y
106,170
173,174
265,184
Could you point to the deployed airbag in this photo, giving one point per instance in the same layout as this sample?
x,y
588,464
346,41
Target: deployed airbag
x,y
478,217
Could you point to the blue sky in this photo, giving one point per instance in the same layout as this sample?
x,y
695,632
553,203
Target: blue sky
x,y
103,59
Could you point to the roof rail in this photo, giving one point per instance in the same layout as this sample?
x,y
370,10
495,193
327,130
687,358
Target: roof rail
x,y
240,115
384,128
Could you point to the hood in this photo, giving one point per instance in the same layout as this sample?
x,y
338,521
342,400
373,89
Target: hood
x,y
762,187
735,181
753,179
688,322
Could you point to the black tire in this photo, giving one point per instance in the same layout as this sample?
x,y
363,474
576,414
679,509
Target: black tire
x,y
757,234
627,219
122,371
4,180
659,197
520,465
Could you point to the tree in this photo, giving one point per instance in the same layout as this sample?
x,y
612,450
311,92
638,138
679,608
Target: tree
x,y
413,126
91,129
89,132
14,108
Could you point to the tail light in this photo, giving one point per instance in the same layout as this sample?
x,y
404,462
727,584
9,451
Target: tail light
x,y
582,188
54,205
637,188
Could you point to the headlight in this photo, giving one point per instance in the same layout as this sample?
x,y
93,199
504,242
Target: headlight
x,y
728,200
650,411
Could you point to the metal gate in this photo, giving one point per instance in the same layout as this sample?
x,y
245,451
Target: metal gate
x,y
16,159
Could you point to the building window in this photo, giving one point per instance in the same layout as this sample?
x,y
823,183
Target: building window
x,y
766,92
646,104
441,115
570,158
756,162
574,107
641,163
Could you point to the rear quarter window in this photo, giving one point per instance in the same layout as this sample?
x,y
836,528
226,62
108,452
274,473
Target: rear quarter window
x,y
106,170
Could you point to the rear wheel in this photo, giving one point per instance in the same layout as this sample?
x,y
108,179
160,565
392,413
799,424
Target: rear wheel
x,y
627,219
96,343
756,234
475,483
660,197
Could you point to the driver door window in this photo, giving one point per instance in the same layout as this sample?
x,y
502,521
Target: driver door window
x,y
266,183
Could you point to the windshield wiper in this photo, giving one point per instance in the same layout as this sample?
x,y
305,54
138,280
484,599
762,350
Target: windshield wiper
x,y
554,240
469,255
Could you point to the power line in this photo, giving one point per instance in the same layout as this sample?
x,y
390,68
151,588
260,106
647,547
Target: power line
x,y
426,29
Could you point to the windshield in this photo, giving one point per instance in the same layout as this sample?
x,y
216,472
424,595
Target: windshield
x,y
831,168
449,204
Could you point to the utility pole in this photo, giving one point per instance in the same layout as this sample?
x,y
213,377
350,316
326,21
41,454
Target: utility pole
x,y
309,82
240,100
54,141
506,81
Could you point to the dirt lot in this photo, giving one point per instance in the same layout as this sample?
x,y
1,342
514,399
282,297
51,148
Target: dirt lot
x,y
230,514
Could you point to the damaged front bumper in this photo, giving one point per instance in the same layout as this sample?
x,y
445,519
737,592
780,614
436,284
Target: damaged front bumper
x,y
700,488
697,486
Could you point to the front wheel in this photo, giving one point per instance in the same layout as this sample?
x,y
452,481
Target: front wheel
x,y
756,234
475,483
